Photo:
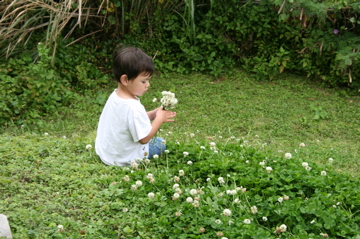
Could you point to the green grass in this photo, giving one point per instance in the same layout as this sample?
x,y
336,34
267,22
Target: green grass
x,y
52,180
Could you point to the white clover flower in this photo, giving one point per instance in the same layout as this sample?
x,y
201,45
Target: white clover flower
x,y
64,137
178,213
286,197
288,156
168,101
323,173
126,178
189,162
155,156
89,146
231,192
208,179
308,168
218,221
176,195
185,153
302,145
192,135
280,199
247,161
176,179
264,219
151,195
231,222
312,222
181,172
189,200
125,209
147,161
163,142
133,187
138,183
227,212
254,209
221,180
196,203
283,228
202,147
176,186
331,160
193,192
178,190
212,144
269,169
262,163
166,151
247,221
236,200
60,227
154,100
215,151
304,164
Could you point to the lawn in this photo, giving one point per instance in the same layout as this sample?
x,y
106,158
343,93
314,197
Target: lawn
x,y
225,175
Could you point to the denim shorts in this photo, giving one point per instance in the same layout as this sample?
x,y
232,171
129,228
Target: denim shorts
x,y
156,146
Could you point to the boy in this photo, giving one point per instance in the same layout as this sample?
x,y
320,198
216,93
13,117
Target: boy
x,y
124,129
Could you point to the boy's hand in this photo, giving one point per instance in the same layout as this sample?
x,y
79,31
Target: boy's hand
x,y
165,115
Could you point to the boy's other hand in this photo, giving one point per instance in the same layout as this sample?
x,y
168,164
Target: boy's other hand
x,y
165,115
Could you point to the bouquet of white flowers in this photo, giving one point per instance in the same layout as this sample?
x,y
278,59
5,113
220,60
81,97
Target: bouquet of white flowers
x,y
168,100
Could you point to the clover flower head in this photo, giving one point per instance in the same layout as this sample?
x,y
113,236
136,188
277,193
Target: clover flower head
x,y
218,221
219,234
301,145
185,153
133,187
202,147
155,156
227,212
286,197
178,213
193,192
46,134
189,200
269,169
176,195
126,178
176,186
308,168
323,173
168,100
196,203
166,151
280,199
264,219
125,209
288,156
283,228
60,227
262,163
236,200
254,209
181,172
178,190
305,164
221,180
192,135
331,160
247,221
176,179
189,162
212,144
89,146
138,183
151,195
202,230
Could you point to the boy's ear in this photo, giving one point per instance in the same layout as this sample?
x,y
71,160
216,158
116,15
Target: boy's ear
x,y
124,80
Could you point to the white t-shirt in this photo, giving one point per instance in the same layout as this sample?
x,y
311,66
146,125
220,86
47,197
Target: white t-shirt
x,y
123,122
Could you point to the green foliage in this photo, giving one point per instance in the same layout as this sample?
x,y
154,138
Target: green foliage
x,y
56,187
32,89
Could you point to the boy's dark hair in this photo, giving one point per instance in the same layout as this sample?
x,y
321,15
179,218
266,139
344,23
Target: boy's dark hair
x,y
132,61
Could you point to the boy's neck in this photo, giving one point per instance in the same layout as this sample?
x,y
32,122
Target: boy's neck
x,y
124,93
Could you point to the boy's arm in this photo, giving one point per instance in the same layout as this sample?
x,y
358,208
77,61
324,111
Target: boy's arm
x,y
161,116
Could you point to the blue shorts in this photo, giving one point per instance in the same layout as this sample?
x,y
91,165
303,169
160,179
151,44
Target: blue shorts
x,y
156,146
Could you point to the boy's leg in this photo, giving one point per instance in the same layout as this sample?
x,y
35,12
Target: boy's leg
x,y
156,146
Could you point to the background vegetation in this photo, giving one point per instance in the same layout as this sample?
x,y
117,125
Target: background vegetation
x,y
266,77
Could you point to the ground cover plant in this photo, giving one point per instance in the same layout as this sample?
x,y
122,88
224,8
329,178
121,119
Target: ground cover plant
x,y
246,159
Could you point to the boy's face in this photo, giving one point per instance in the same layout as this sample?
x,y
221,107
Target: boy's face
x,y
140,84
